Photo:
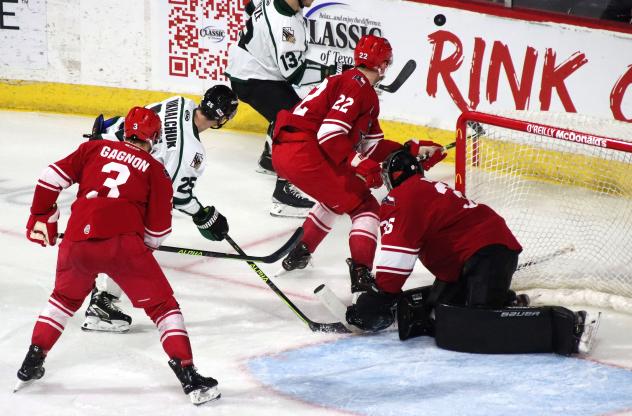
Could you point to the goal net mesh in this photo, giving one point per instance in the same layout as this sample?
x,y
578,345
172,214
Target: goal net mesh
x,y
563,183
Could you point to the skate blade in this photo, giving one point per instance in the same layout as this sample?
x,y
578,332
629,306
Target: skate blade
x,y
96,325
21,384
264,171
587,340
282,272
285,211
202,396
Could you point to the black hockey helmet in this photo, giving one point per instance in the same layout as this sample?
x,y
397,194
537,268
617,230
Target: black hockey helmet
x,y
398,167
219,104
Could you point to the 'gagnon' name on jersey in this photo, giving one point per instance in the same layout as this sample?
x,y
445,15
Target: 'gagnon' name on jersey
x,y
170,123
122,156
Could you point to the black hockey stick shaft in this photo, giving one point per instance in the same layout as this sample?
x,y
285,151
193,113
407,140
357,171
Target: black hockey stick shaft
x,y
404,74
271,258
314,326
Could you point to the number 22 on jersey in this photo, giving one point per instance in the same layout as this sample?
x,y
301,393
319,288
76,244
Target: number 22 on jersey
x,y
342,104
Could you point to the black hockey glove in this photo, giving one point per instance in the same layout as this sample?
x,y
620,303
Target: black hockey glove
x,y
372,311
212,224
335,69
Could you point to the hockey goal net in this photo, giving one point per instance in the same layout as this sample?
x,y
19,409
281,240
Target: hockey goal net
x,y
563,183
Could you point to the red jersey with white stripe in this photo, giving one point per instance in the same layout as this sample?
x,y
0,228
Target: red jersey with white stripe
x,y
341,114
122,190
429,221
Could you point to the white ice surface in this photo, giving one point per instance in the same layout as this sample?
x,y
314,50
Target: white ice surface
x,y
231,315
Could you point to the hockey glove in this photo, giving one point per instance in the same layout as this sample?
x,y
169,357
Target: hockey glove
x,y
368,170
372,311
42,229
428,152
212,224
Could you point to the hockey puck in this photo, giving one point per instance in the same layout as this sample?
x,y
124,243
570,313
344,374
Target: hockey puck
x,y
439,20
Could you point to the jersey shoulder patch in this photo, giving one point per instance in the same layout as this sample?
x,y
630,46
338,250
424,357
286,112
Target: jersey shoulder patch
x,y
388,200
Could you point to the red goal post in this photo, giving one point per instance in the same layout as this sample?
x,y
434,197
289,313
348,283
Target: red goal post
x,y
563,183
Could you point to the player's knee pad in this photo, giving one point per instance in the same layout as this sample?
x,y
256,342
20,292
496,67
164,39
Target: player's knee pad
x,y
413,314
323,217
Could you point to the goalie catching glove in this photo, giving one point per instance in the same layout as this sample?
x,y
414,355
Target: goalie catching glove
x,y
212,224
429,153
367,169
42,228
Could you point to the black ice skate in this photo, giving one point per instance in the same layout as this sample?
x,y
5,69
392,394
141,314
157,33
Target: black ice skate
x,y
265,161
288,201
298,258
586,327
32,368
102,315
199,389
361,278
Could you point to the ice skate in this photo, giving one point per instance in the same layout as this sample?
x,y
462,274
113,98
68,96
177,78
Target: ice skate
x,y
361,278
298,258
265,161
199,389
103,315
32,367
288,201
586,329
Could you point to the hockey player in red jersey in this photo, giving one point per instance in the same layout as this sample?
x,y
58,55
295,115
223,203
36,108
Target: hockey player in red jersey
x,y
473,255
330,146
122,211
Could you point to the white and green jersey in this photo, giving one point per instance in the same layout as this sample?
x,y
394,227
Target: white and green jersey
x,y
179,148
272,46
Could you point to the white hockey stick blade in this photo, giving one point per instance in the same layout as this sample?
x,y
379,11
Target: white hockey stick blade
x,y
335,306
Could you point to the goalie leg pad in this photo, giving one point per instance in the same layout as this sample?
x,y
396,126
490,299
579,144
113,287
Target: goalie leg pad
x,y
494,331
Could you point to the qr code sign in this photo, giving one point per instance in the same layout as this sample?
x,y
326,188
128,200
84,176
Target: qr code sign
x,y
200,33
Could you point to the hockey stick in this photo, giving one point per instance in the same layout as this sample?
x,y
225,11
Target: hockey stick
x,y
547,257
337,327
399,80
271,258
334,305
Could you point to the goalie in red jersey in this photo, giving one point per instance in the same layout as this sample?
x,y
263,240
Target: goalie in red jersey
x,y
330,146
122,211
473,255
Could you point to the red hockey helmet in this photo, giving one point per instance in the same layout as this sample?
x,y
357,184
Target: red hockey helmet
x,y
142,124
372,51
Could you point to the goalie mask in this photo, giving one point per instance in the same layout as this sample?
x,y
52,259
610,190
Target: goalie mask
x,y
398,167
219,104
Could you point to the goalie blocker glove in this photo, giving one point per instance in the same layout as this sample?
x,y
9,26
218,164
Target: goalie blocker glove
x,y
372,309
211,224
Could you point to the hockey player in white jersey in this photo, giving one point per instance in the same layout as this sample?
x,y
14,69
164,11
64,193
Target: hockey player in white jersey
x,y
263,68
180,150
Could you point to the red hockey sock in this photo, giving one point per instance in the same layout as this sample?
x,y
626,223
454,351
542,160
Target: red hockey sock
x,y
51,322
173,333
364,231
317,225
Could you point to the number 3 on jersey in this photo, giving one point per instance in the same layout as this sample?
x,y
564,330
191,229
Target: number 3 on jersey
x,y
114,183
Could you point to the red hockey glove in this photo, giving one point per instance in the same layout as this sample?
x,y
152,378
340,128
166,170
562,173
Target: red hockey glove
x,y
429,153
42,229
368,170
